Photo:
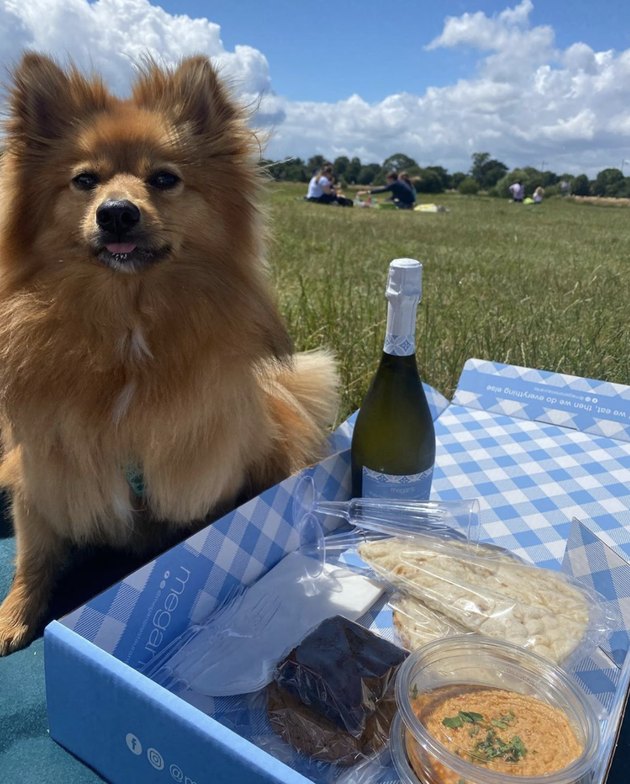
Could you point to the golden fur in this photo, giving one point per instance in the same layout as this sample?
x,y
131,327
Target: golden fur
x,y
172,358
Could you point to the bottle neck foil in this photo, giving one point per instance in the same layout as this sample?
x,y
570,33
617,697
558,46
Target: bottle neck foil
x,y
400,334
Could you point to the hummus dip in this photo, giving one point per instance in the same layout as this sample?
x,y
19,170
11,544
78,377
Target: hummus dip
x,y
500,730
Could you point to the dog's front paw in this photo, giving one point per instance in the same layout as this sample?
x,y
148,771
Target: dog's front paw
x,y
14,634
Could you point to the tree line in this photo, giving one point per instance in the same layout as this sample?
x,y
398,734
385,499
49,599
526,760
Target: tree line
x,y
486,175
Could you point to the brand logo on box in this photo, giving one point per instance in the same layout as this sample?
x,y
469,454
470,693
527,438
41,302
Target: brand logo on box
x,y
172,586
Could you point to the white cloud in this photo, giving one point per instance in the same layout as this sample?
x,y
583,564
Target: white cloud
x,y
526,101
580,57
580,126
109,36
482,32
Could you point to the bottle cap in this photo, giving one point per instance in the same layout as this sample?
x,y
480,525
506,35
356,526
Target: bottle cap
x,y
404,279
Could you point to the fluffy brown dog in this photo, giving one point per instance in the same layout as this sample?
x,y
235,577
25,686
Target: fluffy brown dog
x,y
138,332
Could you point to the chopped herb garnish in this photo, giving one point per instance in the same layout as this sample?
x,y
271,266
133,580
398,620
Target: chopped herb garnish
x,y
518,750
472,718
463,717
414,692
503,721
491,746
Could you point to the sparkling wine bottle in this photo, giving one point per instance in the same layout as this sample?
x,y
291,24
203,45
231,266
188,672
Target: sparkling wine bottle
x,y
393,445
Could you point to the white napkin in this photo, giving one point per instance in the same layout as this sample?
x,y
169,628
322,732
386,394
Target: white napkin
x,y
238,648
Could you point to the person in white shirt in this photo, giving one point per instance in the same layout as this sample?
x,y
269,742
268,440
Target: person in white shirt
x,y
517,189
322,190
315,187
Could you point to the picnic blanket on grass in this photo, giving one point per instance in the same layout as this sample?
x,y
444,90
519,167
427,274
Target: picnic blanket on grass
x,y
27,753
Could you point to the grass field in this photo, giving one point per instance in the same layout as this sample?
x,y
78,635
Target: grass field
x,y
543,286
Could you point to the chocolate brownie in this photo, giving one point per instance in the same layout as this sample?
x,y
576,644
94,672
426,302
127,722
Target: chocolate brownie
x,y
321,739
333,696
341,670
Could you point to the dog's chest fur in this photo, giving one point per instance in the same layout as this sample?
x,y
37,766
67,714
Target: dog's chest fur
x,y
134,350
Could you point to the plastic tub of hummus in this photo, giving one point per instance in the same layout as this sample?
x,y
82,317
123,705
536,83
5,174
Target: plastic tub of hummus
x,y
478,711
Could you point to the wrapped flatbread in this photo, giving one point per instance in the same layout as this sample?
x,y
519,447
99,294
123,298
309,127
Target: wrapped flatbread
x,y
490,593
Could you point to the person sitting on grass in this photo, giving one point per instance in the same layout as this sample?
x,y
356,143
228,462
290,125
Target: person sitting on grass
x,y
517,191
403,195
404,177
321,188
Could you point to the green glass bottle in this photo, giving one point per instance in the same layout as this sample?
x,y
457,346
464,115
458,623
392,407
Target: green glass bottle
x,y
393,444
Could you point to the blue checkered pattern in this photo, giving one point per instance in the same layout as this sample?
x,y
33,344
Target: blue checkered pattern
x,y
588,559
531,479
604,674
597,407
536,448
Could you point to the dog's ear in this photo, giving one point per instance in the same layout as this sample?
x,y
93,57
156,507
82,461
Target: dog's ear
x,y
191,94
45,101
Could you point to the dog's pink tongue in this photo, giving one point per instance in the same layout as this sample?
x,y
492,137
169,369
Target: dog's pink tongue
x,y
121,247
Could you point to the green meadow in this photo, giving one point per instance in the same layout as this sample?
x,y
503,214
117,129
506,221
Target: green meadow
x,y
543,286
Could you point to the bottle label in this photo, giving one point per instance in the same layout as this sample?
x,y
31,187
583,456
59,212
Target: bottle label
x,y
407,486
399,345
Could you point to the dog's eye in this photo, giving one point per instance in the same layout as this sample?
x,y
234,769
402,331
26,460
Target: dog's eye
x,y
85,181
163,180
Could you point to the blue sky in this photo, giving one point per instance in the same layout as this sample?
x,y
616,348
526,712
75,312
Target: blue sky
x,y
529,81
326,50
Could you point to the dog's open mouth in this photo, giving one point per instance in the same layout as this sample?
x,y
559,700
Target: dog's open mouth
x,y
129,257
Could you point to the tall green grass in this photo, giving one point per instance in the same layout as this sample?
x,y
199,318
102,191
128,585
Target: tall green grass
x,y
545,286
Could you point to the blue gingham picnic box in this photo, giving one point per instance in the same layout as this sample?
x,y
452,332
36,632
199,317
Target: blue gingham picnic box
x,y
548,455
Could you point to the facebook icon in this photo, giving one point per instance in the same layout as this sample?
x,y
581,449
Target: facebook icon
x,y
133,744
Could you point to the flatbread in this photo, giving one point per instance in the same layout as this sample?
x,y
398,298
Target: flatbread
x,y
491,594
415,624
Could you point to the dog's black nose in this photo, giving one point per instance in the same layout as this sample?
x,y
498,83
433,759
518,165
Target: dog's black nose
x,y
117,216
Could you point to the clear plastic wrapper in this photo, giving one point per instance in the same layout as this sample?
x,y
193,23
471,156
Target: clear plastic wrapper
x,y
320,739
342,671
393,517
487,590
332,698
416,624
456,519
236,650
